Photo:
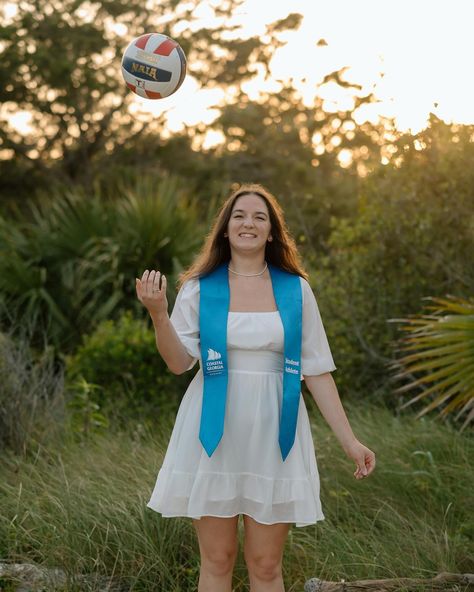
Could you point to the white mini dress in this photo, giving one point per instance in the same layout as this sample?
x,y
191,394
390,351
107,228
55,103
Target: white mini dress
x,y
246,473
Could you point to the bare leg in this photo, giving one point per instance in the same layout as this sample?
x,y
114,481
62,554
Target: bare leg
x,y
263,552
218,546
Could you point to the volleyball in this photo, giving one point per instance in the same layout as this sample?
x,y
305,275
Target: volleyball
x,y
153,66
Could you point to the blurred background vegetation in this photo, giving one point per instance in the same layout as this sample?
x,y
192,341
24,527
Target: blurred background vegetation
x,y
91,195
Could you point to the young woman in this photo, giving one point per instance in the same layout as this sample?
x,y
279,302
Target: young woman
x,y
242,442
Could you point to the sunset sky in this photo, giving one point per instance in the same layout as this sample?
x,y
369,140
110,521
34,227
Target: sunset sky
x,y
423,49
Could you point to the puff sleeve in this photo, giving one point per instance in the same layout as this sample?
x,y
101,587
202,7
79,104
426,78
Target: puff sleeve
x,y
316,357
185,318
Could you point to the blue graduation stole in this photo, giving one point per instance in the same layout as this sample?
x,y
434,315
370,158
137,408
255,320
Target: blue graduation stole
x,y
214,303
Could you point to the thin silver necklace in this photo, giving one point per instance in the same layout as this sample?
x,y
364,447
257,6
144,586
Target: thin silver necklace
x,y
248,274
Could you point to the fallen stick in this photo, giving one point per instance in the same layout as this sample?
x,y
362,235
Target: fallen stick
x,y
443,582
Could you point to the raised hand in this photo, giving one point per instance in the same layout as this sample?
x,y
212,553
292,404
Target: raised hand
x,y
151,294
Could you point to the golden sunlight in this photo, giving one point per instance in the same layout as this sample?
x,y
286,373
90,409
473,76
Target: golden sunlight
x,y
411,55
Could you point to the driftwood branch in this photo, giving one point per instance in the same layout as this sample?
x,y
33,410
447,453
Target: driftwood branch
x,y
446,582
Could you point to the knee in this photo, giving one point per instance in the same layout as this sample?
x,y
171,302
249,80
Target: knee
x,y
264,567
219,562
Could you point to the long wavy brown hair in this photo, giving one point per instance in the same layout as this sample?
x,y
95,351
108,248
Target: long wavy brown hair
x,y
281,251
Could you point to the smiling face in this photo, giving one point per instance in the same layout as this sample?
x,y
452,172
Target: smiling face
x,y
250,216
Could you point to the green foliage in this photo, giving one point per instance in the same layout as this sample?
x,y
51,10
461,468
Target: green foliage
x,y
129,377
412,237
283,129
273,140
71,261
83,508
442,350
85,417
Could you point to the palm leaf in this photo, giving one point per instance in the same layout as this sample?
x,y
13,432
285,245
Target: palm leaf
x,y
440,354
69,260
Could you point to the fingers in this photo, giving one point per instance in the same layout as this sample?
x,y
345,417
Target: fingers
x,y
155,287
365,465
360,472
156,283
149,285
138,287
141,285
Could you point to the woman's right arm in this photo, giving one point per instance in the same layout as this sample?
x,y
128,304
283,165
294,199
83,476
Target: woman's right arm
x,y
169,345
153,297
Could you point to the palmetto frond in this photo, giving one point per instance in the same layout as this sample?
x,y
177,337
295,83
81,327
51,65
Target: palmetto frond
x,y
72,260
440,361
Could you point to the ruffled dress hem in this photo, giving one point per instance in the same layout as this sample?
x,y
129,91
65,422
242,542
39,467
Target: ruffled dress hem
x,y
297,524
225,495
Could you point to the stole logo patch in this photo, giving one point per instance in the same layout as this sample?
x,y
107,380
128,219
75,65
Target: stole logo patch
x,y
214,364
212,354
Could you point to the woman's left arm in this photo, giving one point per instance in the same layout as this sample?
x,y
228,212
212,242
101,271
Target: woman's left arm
x,y
324,391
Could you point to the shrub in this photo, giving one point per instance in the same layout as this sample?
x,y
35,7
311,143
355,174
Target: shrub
x,y
412,237
120,357
69,259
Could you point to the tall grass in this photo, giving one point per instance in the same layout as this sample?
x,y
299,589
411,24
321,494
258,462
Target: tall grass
x,y
32,405
82,506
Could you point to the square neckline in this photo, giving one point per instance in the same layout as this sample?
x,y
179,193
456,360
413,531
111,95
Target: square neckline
x,y
253,311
